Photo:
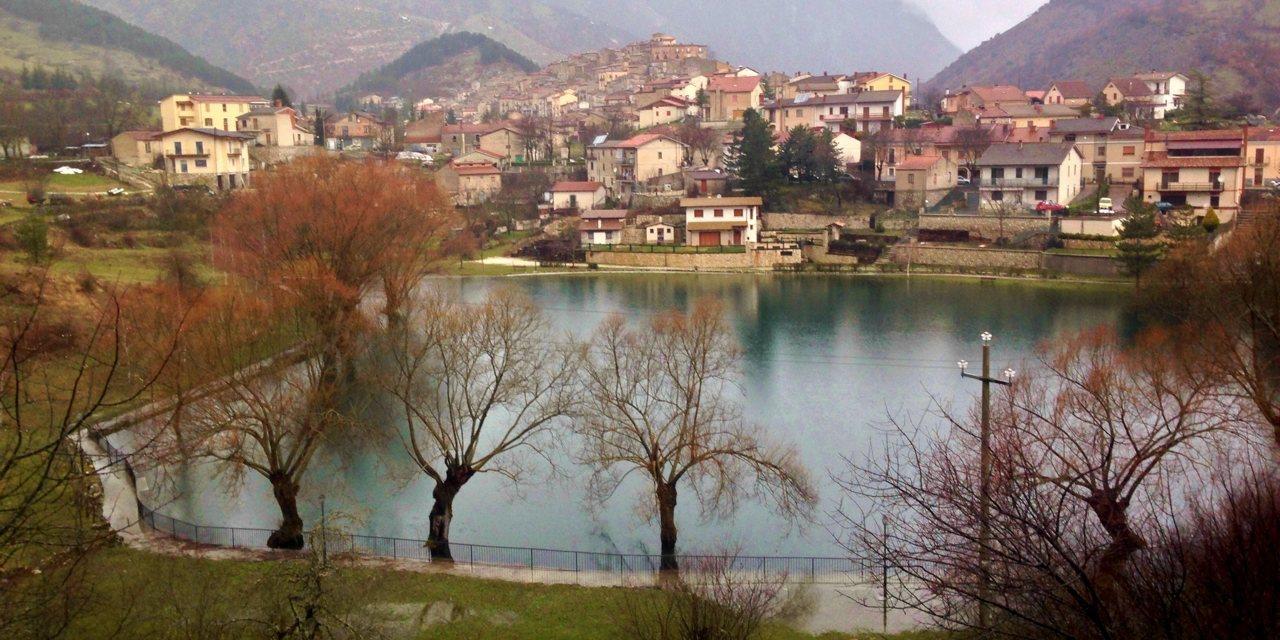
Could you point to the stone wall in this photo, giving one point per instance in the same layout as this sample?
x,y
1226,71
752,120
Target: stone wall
x,y
967,257
817,254
777,221
986,227
750,260
1097,266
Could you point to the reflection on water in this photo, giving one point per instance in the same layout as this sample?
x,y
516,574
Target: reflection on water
x,y
826,360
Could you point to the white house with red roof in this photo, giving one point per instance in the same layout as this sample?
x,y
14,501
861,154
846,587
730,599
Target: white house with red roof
x,y
665,110
582,196
721,221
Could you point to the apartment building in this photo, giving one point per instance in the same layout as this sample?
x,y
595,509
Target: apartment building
x,y
1198,169
627,166
1024,174
204,111
214,157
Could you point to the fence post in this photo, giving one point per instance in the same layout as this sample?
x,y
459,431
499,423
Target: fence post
x,y
473,557
233,537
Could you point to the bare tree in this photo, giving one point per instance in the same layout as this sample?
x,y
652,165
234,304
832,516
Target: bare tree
x,y
660,405
971,142
1086,461
482,388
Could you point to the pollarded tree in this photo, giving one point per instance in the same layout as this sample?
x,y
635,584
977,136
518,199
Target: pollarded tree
x,y
659,405
483,389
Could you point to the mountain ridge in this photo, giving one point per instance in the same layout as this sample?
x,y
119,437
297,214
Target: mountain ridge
x,y
409,73
1231,40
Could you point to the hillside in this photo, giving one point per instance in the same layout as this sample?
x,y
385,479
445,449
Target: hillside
x,y
1233,40
816,35
441,67
317,46
69,35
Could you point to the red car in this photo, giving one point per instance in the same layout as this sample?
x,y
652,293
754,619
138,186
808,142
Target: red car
x,y
1050,207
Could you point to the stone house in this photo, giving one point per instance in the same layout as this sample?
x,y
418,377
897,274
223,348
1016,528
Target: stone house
x,y
137,148
923,181
729,97
470,183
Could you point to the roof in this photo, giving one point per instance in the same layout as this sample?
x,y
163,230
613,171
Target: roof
x,y
600,224
576,187
1086,125
476,170
1040,111
605,214
636,141
1235,135
1073,89
917,163
1032,153
669,101
1131,87
206,97
877,96
721,202
822,79
998,93
1157,75
706,174
141,135
468,128
216,133
1164,161
733,84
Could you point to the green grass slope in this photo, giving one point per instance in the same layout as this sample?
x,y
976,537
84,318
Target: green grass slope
x,y
70,35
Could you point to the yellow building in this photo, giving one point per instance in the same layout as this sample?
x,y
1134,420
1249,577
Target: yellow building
x,y
1201,170
205,111
1263,155
627,166
886,82
217,158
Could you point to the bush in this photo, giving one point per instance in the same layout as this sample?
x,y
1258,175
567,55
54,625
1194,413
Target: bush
x,y
87,282
1211,222
32,235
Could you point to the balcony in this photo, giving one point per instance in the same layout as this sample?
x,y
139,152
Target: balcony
x,y
1191,186
1019,183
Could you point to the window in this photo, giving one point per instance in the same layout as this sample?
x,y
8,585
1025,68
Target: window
x,y
208,122
184,166
997,173
1257,176
1215,201
1259,156
1130,150
202,163
884,111
1017,173
659,155
719,213
697,213
1042,195
911,178
177,148
1126,172
1102,151
199,147
146,147
224,107
997,196
737,212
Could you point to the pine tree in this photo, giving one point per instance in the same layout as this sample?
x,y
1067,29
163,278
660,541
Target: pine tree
x,y
320,127
1139,247
752,157
279,96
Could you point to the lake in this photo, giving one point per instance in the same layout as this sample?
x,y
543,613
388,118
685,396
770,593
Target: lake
x,y
827,360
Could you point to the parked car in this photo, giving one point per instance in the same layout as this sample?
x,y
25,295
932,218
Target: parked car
x,y
117,191
1049,206
963,182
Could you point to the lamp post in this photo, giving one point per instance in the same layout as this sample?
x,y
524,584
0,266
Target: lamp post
x,y
984,518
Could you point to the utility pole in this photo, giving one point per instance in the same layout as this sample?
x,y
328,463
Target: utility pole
x,y
984,518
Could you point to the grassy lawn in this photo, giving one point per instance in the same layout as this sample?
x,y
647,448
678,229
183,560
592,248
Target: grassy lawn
x,y
149,595
58,183
115,265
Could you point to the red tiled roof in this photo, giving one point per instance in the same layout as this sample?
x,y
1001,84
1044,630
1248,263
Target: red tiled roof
x,y
1209,134
596,224
999,93
575,187
1163,161
141,135
1073,89
204,97
606,214
1131,87
733,84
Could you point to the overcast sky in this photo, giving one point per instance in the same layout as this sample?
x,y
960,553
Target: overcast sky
x,y
969,22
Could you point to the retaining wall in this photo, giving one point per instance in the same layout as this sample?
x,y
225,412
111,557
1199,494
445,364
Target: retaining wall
x,y
967,257
761,259
987,227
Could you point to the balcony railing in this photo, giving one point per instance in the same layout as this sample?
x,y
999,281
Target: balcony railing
x,y
1020,183
1191,186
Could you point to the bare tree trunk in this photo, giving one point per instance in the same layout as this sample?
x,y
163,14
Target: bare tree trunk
x,y
442,513
1125,542
667,527
289,534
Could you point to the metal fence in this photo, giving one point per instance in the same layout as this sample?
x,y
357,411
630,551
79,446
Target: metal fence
x,y
622,566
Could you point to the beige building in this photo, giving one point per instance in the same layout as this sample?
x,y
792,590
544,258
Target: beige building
x,y
137,148
729,97
1263,155
1025,174
923,181
583,196
276,127
1107,146
470,183
203,111
1072,93
217,158
713,222
665,110
627,166
876,81
602,226
1198,169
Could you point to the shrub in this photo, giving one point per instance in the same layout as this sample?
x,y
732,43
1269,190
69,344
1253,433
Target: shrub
x,y
1211,221
32,235
87,282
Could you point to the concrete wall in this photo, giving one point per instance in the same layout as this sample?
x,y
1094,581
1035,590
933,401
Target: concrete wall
x,y
967,257
987,227
762,259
